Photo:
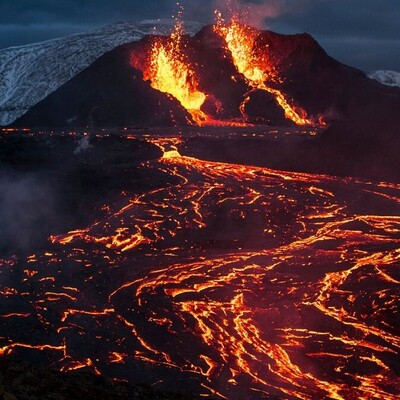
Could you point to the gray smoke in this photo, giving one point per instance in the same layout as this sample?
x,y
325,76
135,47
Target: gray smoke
x,y
83,145
26,208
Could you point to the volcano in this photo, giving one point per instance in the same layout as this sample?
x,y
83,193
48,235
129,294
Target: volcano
x,y
217,214
262,78
311,80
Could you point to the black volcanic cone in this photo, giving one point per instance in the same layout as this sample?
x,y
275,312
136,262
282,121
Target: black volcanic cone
x,y
217,74
108,93
111,92
263,108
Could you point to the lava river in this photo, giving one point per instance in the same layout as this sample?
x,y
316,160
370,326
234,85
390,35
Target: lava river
x,y
237,282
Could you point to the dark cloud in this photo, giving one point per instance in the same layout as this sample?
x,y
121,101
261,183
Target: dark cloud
x,y
28,21
367,18
34,11
363,33
367,54
16,35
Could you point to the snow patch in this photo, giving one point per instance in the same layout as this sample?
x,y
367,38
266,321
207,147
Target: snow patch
x,y
389,78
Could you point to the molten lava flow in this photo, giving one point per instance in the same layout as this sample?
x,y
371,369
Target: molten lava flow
x,y
169,72
256,68
236,280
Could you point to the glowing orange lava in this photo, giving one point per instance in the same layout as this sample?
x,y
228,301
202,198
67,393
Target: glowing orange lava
x,y
255,66
305,309
169,71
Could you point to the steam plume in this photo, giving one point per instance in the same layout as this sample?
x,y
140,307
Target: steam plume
x,y
257,12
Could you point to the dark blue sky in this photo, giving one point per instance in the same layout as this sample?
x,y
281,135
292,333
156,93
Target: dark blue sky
x,y
362,33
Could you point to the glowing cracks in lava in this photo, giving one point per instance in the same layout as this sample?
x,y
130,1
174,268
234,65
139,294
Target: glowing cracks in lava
x,y
255,66
168,148
169,71
9,348
259,319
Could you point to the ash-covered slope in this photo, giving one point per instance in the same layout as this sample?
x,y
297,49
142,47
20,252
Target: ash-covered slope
x,y
30,73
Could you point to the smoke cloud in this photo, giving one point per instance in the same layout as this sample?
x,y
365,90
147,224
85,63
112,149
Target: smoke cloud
x,y
254,12
83,145
257,12
26,208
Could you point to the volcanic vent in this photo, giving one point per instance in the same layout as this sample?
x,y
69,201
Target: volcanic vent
x,y
177,65
227,74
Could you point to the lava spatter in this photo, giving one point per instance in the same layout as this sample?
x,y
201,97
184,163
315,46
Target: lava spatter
x,y
256,67
168,70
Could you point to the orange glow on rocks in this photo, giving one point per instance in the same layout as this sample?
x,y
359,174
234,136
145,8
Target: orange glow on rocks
x,y
169,71
255,66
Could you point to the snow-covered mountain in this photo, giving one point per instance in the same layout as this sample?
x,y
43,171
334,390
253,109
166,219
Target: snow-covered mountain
x,y
389,78
29,73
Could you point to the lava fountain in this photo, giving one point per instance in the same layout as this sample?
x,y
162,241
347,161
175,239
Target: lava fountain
x,y
169,71
255,66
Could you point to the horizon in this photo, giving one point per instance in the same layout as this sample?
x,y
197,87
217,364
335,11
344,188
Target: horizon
x,y
362,34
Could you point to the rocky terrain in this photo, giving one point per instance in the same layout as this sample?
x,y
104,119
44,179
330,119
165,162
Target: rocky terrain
x,y
22,381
